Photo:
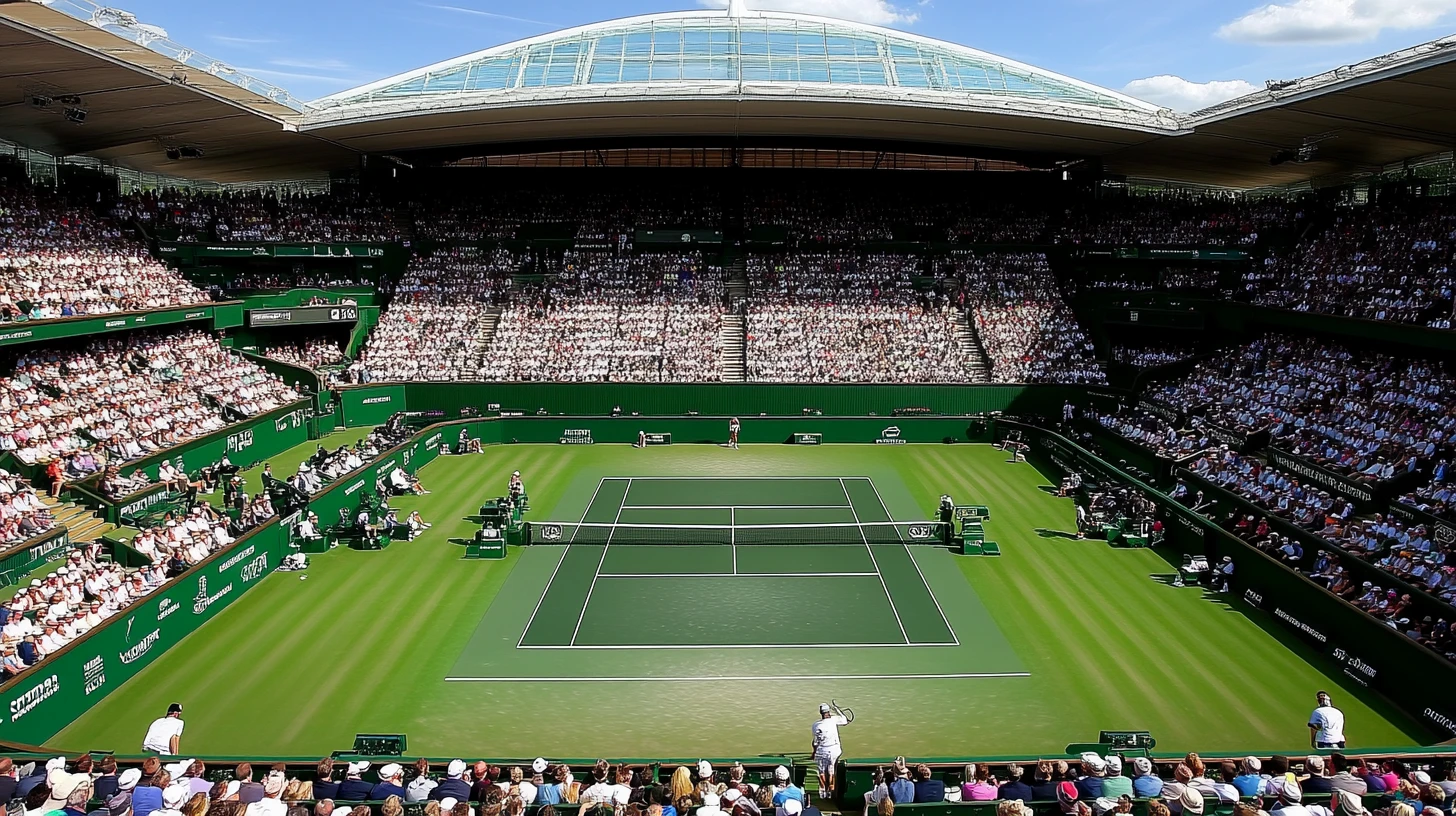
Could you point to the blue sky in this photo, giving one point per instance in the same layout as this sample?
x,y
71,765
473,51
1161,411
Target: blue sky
x,y
1182,53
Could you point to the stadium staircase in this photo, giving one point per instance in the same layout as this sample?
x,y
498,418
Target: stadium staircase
x,y
82,524
735,348
970,343
485,334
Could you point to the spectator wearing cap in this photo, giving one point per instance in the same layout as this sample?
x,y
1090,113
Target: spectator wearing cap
x,y
1290,794
117,804
1191,802
1067,797
1248,781
354,788
1094,768
1014,789
453,786
324,786
272,803
1115,784
902,790
173,797
1316,781
927,787
391,777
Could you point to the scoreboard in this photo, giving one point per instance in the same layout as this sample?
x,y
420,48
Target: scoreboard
x,y
301,315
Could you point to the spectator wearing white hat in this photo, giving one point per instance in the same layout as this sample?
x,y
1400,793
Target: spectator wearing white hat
x,y
784,787
453,786
173,797
1094,768
711,806
1145,784
354,788
1249,781
1115,784
271,804
391,778
1290,794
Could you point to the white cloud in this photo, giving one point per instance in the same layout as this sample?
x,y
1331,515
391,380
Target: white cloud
x,y
877,12
311,64
1333,21
1185,96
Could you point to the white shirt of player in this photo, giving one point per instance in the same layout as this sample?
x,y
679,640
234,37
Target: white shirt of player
x,y
734,426
826,733
1330,722
160,733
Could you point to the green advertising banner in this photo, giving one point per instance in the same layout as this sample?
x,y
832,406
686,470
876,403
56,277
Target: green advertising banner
x,y
19,333
24,558
370,405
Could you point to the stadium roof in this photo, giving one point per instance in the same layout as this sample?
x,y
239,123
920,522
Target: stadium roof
x,y
685,78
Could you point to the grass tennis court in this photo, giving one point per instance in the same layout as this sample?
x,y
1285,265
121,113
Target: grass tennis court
x,y
867,591
1058,638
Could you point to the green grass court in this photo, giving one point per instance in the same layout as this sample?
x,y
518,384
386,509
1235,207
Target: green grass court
x,y
612,640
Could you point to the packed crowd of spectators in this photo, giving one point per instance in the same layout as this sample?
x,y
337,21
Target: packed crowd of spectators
x,y
1089,785
123,397
1028,331
1157,433
848,318
432,326
50,612
600,317
59,260
1175,218
1380,262
1369,416
314,352
23,515
246,216
1437,496
1407,552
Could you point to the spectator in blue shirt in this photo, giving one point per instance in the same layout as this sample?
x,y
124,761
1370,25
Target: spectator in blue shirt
x,y
1144,784
1249,782
902,790
1094,767
146,798
785,789
453,786
390,778
324,786
354,788
927,788
1014,788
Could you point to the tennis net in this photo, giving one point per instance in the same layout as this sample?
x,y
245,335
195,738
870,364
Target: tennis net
x,y
884,532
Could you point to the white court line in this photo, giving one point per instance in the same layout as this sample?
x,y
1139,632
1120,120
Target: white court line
x,y
564,551
706,646
871,551
597,574
742,677
737,574
931,592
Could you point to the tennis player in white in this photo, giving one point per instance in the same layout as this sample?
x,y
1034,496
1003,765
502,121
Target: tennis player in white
x,y
826,747
734,426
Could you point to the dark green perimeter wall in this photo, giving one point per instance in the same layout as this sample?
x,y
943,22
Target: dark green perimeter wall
x,y
372,404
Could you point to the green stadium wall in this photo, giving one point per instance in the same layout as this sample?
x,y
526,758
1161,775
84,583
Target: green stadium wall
x,y
24,558
372,404
40,331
